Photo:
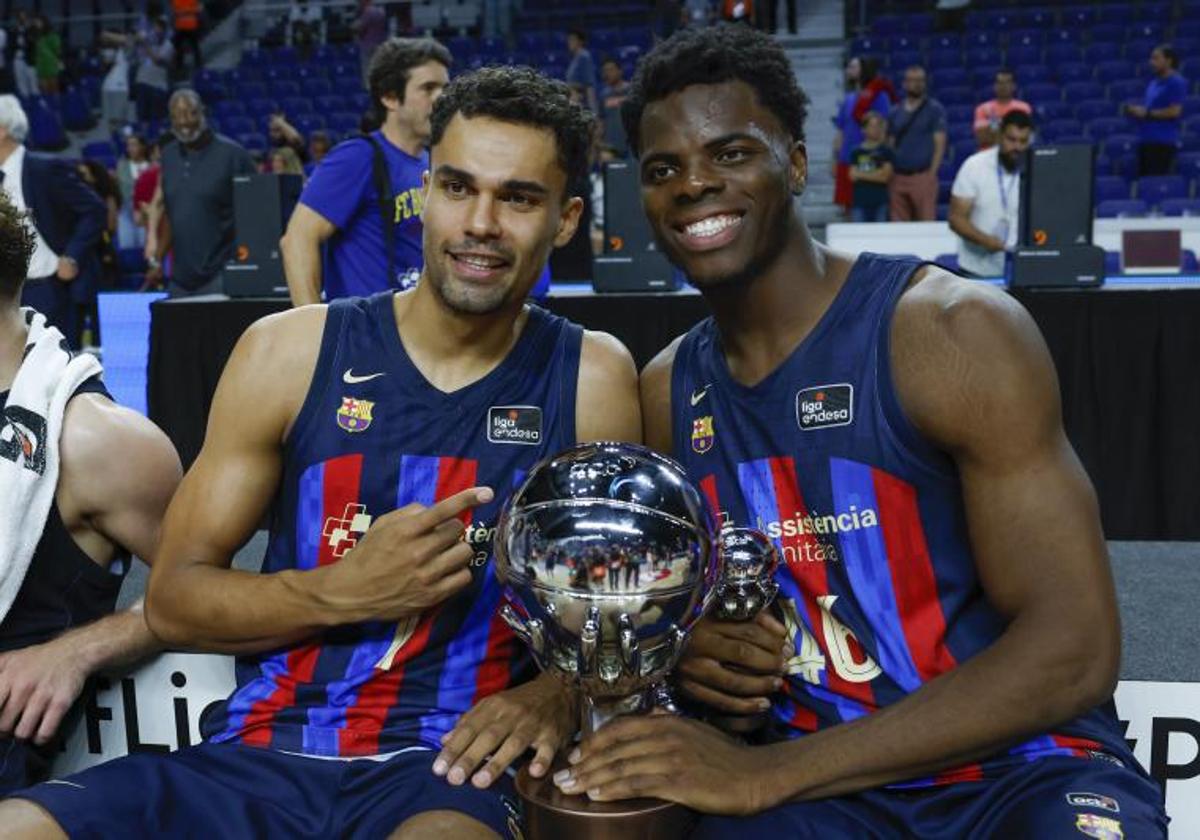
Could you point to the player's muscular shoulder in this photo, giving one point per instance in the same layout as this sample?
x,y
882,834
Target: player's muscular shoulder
x,y
967,359
273,365
606,403
113,461
655,388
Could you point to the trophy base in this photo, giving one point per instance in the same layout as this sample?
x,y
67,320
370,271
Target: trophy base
x,y
551,814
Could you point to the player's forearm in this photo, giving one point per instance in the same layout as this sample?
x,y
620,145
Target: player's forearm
x,y
302,268
223,610
114,641
1033,678
969,232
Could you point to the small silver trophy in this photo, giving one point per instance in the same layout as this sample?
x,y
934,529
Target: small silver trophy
x,y
747,586
610,556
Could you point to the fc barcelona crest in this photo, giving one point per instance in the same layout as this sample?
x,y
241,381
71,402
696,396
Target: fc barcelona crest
x,y
1104,828
354,415
702,434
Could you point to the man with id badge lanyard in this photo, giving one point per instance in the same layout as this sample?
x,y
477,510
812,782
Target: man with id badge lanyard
x,y
985,196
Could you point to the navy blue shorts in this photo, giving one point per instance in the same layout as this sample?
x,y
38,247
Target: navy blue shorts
x,y
1051,798
235,791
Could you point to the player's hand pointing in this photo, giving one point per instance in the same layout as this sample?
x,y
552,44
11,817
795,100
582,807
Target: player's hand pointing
x,y
410,559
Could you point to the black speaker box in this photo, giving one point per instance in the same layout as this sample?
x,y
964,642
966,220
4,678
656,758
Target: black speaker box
x,y
631,261
1056,196
262,205
1071,266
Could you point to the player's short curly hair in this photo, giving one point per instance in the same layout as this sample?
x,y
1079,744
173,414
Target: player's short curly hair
x,y
710,55
16,248
523,96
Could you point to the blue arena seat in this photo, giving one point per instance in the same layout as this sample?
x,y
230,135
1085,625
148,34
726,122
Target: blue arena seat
x,y
1062,53
1075,71
1031,73
952,77
1021,56
1118,70
1138,51
1059,110
1091,109
1111,188
1187,164
1179,207
955,96
294,106
1155,188
1078,91
98,149
1103,127
946,41
1126,90
1078,18
1052,130
1116,145
941,60
229,108
253,142
1039,93
1119,209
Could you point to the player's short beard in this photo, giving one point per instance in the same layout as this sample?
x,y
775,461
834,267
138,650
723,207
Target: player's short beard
x,y
465,299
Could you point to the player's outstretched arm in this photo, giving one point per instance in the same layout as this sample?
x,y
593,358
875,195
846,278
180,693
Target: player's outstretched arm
x,y
409,560
975,377
541,714
118,473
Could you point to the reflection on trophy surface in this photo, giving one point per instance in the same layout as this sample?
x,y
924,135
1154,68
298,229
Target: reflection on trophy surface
x,y
610,556
747,586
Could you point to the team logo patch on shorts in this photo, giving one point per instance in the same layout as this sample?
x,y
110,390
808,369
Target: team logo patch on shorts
x,y
513,819
1102,828
515,424
702,434
1093,800
354,415
825,406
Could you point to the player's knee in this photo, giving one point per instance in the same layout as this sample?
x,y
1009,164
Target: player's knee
x,y
24,820
438,825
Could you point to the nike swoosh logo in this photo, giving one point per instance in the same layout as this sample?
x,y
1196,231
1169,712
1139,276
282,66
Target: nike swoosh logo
x,y
350,379
700,394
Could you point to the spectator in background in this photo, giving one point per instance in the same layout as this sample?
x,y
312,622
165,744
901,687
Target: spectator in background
x,y
866,91
151,84
282,134
870,171
366,195
186,17
103,271
697,13
614,88
195,197
738,11
985,197
21,40
768,17
304,25
989,114
1160,114
581,70
319,145
917,133
48,56
132,164
370,30
285,161
144,188
68,219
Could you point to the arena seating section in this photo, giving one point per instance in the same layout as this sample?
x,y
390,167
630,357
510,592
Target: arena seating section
x,y
1075,64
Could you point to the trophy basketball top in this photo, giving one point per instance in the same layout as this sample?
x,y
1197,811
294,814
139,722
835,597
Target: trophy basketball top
x,y
610,555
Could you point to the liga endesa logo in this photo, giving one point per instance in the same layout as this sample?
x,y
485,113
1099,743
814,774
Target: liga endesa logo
x,y
825,406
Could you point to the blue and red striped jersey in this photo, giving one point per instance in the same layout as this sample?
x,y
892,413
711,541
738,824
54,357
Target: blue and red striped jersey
x,y
372,436
877,583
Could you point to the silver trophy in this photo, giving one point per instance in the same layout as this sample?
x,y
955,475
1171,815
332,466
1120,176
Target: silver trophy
x,y
747,583
747,587
610,555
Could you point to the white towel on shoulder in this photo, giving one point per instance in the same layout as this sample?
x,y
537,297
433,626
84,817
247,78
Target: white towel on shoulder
x,y
29,433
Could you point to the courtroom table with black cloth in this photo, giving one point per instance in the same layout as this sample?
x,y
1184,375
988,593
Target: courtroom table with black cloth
x,y
1128,361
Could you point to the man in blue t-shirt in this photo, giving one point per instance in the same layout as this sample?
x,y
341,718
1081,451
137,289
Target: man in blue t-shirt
x,y
341,206
1159,114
